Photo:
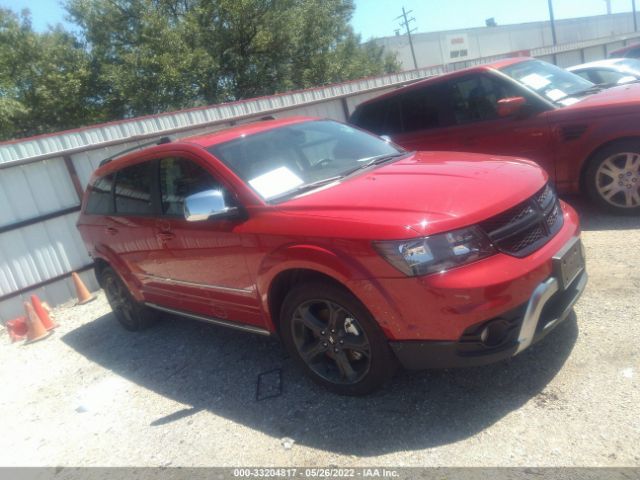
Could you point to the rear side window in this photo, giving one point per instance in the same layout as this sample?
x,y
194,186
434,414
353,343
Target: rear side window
x,y
180,178
633,53
380,117
422,109
133,192
100,201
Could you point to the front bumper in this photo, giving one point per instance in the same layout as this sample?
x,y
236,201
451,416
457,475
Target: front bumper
x,y
548,306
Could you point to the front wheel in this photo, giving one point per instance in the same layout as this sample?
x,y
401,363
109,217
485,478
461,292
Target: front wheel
x,y
335,339
613,178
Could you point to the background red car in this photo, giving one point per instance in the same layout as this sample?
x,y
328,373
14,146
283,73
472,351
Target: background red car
x,y
586,138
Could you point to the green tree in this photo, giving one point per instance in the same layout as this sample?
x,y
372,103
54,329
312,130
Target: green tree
x,y
150,56
43,79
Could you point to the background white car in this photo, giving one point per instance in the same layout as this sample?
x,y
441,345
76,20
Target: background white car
x,y
609,72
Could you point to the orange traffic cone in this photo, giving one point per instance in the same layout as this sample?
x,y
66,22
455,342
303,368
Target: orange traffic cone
x,y
17,328
42,313
36,329
83,293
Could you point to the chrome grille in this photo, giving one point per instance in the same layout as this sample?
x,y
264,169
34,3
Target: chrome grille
x,y
525,228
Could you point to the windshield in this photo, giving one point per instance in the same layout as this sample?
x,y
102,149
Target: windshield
x,y
308,154
550,81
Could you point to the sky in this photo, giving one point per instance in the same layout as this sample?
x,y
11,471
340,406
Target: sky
x,y
375,18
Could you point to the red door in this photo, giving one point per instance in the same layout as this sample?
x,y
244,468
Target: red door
x,y
198,267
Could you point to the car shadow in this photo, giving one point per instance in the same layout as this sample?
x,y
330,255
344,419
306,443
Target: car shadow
x,y
594,218
216,369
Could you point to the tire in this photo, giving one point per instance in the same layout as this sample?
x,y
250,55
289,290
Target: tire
x,y
612,178
131,314
319,322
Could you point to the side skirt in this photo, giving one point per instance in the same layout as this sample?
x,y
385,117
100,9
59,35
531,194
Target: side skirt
x,y
215,321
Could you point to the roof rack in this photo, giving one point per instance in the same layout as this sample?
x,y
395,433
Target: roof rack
x,y
161,141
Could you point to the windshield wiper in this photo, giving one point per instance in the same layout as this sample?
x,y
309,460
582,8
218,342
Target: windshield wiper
x,y
587,91
305,187
379,159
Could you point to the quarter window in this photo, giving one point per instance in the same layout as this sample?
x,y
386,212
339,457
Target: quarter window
x,y
133,193
100,201
180,178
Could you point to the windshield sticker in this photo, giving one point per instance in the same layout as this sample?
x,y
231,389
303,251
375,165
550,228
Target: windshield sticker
x,y
569,101
275,182
535,81
555,94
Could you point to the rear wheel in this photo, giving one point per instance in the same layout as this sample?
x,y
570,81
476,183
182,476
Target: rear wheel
x,y
613,178
335,339
131,314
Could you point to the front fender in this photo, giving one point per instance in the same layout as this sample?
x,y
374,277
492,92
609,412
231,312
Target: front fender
x,y
340,267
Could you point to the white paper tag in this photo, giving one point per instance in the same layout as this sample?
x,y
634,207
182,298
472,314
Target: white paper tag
x,y
275,182
535,81
555,94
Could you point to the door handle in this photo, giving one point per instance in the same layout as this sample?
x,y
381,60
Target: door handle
x,y
165,236
111,230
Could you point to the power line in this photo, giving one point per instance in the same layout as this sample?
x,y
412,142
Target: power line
x,y
405,24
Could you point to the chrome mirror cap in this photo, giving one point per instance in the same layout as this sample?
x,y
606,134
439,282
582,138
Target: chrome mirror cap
x,y
204,205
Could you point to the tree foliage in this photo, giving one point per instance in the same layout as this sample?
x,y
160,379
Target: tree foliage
x,y
43,79
137,57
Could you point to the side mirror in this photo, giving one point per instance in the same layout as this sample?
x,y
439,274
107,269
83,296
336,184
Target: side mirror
x,y
204,205
508,107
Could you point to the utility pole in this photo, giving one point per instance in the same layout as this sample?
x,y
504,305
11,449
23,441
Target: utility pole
x,y
405,23
635,19
553,23
608,2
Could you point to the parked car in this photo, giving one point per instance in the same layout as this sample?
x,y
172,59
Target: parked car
x,y
586,138
610,72
630,51
356,253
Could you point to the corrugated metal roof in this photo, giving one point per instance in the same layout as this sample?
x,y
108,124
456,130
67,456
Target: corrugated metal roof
x,y
73,139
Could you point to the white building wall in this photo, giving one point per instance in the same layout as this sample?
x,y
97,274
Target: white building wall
x,y
431,48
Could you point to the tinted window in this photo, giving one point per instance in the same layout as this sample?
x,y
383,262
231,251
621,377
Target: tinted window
x,y
133,190
602,76
633,53
422,109
180,178
100,201
475,99
381,117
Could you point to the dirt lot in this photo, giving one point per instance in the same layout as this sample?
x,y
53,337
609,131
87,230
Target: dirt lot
x,y
184,393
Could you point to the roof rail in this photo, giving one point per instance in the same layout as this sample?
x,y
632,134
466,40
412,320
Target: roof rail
x,y
161,141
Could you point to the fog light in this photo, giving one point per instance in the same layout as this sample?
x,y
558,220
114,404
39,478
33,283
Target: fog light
x,y
494,333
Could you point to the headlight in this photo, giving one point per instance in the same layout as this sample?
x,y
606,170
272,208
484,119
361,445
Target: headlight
x,y
436,253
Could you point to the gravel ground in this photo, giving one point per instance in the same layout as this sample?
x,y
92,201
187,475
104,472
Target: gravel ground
x,y
184,393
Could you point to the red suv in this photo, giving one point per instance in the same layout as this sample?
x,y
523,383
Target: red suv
x,y
585,137
356,253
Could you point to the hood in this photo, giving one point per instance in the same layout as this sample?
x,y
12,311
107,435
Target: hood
x,y
618,99
425,193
